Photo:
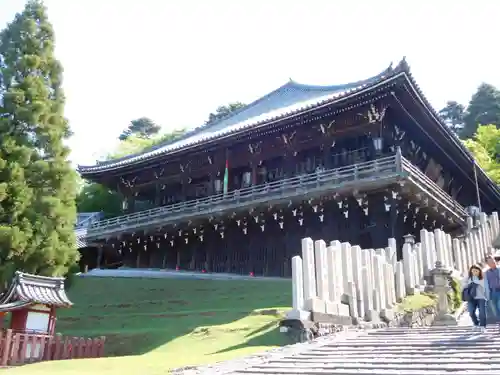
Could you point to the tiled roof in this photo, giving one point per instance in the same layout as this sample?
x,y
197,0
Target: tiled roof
x,y
28,289
290,99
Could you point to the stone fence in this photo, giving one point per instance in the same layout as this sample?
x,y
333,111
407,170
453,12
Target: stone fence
x,y
342,280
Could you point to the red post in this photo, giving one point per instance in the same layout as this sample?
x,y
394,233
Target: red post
x,y
6,347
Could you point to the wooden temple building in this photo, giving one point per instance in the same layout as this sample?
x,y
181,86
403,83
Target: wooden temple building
x,y
358,162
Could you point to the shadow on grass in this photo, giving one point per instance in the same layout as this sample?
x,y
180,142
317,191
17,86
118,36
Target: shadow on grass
x,y
271,338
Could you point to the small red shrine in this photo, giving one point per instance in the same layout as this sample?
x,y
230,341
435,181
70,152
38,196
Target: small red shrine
x,y
32,300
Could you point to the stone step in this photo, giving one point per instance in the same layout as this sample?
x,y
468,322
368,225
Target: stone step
x,y
418,356
425,360
394,351
442,371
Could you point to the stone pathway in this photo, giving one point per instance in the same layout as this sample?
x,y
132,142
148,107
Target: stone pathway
x,y
399,351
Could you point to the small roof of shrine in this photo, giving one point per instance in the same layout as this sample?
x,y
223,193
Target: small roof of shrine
x,y
26,289
288,100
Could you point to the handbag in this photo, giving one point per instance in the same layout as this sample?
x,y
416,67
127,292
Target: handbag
x,y
470,292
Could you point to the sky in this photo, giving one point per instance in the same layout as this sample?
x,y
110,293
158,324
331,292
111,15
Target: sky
x,y
175,61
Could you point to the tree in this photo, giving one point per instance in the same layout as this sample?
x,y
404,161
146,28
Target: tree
x,y
483,109
453,115
134,144
485,146
37,182
224,111
143,127
96,197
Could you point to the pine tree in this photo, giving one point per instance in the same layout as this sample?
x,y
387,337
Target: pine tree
x,y
37,183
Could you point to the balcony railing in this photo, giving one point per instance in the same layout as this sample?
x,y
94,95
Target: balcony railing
x,y
365,175
432,189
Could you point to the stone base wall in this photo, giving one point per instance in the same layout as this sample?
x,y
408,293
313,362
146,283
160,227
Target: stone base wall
x,y
414,319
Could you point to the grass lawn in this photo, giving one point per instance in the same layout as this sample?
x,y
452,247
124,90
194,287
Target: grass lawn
x,y
158,324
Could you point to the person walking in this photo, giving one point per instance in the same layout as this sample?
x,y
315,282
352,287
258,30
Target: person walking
x,y
493,279
475,291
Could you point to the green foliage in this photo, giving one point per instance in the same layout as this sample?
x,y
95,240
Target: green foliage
x,y
485,146
71,276
453,115
96,197
455,294
224,111
37,182
142,128
135,144
417,302
483,109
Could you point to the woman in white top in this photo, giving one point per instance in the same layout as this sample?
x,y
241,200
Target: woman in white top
x,y
479,291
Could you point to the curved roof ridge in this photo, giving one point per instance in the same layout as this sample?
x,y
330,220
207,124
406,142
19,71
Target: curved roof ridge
x,y
289,86
194,130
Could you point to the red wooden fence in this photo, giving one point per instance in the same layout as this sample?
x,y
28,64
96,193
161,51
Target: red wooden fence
x,y
21,348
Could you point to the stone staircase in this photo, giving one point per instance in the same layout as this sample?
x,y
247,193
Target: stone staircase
x,y
454,350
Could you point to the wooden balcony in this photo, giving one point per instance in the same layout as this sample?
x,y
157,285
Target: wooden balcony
x,y
361,177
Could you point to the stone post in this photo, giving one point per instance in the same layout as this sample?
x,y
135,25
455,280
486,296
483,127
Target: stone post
x,y
439,246
495,224
367,277
358,278
426,253
400,282
346,265
459,256
321,274
441,277
408,269
297,311
339,280
379,299
334,274
309,279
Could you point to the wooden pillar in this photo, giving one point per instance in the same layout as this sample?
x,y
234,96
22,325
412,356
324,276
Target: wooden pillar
x,y
99,256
